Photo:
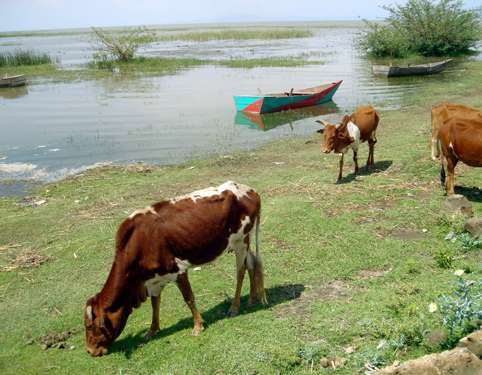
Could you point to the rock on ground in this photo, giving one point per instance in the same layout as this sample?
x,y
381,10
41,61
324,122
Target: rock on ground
x,y
459,361
473,342
458,204
474,227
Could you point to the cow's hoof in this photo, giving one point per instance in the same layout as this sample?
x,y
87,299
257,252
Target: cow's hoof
x,y
197,330
151,333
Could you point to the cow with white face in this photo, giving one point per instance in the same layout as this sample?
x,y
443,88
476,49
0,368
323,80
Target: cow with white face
x,y
357,128
157,245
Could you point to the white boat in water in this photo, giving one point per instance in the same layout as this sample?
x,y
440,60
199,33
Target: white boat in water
x,y
13,81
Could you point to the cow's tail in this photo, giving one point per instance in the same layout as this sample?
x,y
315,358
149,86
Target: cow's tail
x,y
435,140
442,171
258,266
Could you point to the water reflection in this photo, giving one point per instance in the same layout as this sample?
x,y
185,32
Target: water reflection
x,y
13,92
270,121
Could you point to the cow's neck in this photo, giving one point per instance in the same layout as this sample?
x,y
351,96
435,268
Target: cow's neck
x,y
123,288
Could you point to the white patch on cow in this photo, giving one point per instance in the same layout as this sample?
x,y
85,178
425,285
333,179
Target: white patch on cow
x,y
182,264
236,240
354,132
143,211
157,283
237,189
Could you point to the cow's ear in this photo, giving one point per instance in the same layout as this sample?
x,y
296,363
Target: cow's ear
x,y
322,123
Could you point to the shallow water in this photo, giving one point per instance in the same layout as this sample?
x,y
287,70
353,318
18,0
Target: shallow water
x,y
50,130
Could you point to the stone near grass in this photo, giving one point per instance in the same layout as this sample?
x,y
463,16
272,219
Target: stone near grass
x,y
458,361
474,227
458,204
473,342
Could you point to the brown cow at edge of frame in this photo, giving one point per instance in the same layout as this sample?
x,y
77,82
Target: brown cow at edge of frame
x,y
460,140
157,245
443,112
357,128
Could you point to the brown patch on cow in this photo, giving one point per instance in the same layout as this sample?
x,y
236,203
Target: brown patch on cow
x,y
27,259
55,340
334,290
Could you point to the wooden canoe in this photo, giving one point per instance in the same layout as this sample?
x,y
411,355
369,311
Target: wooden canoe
x,y
410,70
287,100
13,81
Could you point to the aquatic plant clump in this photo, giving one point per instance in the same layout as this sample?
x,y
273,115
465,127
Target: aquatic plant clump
x,y
203,36
424,27
24,57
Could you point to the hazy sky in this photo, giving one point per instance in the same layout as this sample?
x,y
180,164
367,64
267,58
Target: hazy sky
x,y
51,14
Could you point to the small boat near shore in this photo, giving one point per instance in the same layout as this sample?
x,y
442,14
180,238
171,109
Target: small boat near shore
x,y
292,99
13,81
410,70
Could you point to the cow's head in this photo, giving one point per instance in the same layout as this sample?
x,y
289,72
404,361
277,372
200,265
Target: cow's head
x,y
336,137
99,331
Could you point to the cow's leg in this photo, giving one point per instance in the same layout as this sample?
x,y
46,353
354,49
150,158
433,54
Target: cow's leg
x,y
371,149
252,280
340,173
155,302
185,288
451,163
241,254
355,160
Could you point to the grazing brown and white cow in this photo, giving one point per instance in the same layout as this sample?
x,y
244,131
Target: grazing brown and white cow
x,y
357,128
158,244
441,113
460,139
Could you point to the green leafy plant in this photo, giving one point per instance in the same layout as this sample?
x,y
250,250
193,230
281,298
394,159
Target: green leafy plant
x,y
468,242
461,311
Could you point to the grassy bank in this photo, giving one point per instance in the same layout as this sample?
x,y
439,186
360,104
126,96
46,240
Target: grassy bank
x,y
347,265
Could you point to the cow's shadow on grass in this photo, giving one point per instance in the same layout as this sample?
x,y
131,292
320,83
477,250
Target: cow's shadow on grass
x,y
473,194
276,295
379,166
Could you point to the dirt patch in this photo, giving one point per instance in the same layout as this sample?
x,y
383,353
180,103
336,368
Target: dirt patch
x,y
407,234
280,244
335,289
370,274
54,340
28,259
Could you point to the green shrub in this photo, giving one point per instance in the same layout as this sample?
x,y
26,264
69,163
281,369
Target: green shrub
x,y
120,46
424,27
461,311
24,57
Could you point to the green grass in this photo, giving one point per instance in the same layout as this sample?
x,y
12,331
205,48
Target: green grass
x,y
230,34
144,66
23,57
268,62
336,274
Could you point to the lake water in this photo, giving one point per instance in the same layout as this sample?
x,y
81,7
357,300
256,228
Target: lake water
x,y
50,130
